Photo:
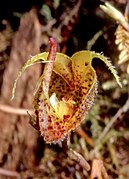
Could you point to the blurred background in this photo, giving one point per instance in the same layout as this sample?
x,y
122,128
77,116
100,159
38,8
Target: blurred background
x,y
25,29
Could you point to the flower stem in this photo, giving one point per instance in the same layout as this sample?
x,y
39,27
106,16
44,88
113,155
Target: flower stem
x,y
49,66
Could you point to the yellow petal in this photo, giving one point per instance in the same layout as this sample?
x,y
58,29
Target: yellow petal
x,y
62,67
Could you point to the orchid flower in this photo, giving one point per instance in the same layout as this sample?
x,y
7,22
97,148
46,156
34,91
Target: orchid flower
x,y
65,90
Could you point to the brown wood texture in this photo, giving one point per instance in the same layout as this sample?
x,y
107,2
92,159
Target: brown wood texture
x,y
18,140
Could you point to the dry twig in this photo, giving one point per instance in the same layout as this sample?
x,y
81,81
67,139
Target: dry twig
x,y
14,110
9,173
124,109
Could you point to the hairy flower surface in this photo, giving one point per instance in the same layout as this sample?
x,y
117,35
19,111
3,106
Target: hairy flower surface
x,y
65,91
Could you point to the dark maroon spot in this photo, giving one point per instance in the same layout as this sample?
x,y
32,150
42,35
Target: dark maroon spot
x,y
84,93
89,74
57,123
65,117
86,63
50,127
90,79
